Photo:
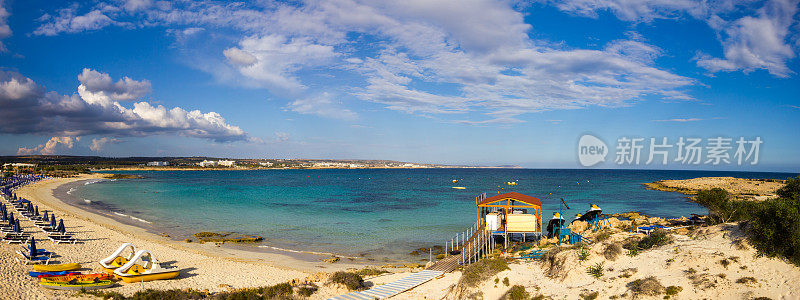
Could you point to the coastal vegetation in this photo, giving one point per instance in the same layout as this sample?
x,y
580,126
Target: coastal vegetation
x,y
516,292
772,225
279,291
482,270
654,239
350,280
596,270
649,286
225,237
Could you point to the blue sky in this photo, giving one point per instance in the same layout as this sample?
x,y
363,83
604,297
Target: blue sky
x,y
457,82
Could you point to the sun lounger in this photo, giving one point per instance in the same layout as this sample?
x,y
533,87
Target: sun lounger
x,y
58,239
36,259
536,254
16,239
651,228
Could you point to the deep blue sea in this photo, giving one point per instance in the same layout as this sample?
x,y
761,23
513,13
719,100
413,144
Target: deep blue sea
x,y
377,212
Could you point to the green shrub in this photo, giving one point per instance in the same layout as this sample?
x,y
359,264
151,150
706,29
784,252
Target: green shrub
x,y
746,280
673,290
775,229
506,282
350,280
307,290
516,292
596,271
791,190
482,270
656,238
583,255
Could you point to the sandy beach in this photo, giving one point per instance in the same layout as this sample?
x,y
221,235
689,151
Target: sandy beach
x,y
204,266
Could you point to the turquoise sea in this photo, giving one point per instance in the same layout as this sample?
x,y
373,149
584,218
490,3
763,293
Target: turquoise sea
x,y
381,213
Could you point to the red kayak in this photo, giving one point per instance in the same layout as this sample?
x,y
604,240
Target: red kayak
x,y
78,278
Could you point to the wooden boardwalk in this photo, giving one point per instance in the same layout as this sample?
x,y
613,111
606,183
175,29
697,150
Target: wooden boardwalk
x,y
391,289
472,249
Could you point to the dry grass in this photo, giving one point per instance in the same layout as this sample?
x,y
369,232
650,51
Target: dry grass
x,y
482,270
612,251
649,286
516,292
350,280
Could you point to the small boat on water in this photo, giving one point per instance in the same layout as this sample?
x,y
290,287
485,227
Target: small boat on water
x,y
144,267
591,214
459,187
57,268
118,259
555,222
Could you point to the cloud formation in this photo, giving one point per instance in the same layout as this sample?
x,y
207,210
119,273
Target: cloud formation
x,y
756,42
98,144
27,108
53,145
5,30
322,105
434,58
751,38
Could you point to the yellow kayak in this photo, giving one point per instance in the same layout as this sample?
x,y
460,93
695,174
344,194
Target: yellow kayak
x,y
92,285
148,277
56,268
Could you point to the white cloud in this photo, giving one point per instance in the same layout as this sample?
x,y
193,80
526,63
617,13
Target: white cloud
x,y
53,145
437,58
137,5
98,144
756,42
680,120
270,60
26,107
70,22
633,10
752,39
281,136
101,85
5,30
322,105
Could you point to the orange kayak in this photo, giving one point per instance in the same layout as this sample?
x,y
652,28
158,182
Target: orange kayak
x,y
78,278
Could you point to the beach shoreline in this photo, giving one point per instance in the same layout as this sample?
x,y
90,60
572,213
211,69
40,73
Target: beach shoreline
x,y
204,266
179,235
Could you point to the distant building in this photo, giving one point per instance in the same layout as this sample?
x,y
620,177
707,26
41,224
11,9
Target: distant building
x,y
212,163
20,165
266,164
207,163
226,163
158,164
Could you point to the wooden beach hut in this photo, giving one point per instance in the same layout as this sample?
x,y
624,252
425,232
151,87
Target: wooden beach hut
x,y
510,213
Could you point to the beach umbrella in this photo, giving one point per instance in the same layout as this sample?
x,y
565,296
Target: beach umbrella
x,y
17,228
11,218
5,215
36,213
32,247
53,222
46,217
60,227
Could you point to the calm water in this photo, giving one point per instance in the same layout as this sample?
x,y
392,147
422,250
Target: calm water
x,y
373,212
